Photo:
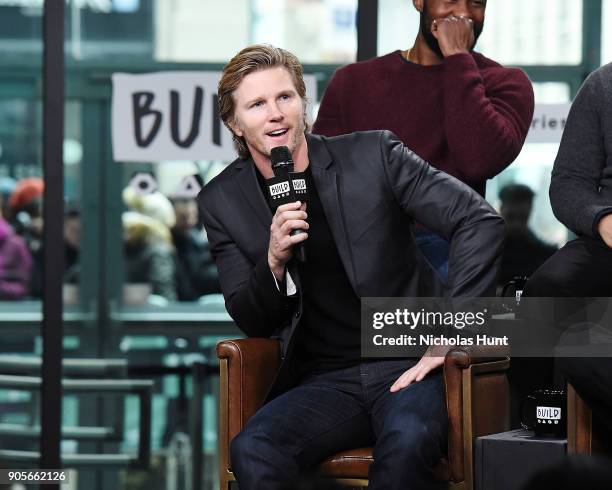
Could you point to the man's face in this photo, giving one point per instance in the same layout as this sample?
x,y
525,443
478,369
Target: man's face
x,y
516,213
268,111
438,9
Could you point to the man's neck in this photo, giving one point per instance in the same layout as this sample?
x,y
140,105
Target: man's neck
x,y
422,54
299,156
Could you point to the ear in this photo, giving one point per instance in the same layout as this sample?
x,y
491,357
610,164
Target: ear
x,y
235,127
418,4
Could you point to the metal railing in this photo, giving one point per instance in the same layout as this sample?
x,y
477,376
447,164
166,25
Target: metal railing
x,y
20,377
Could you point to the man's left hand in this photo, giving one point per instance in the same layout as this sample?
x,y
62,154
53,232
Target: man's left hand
x,y
454,34
432,359
605,229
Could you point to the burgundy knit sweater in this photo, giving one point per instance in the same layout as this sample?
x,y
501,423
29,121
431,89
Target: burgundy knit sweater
x,y
467,116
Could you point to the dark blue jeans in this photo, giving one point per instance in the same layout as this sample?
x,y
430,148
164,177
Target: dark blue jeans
x,y
344,409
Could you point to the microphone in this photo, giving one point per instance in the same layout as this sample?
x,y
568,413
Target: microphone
x,y
287,186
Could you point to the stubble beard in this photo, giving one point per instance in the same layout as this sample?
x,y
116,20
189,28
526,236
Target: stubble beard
x,y
299,130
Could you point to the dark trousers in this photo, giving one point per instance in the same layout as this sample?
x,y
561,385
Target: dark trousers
x,y
345,409
570,279
582,268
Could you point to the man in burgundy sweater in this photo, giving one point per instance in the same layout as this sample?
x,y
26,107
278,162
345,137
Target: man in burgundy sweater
x,y
464,113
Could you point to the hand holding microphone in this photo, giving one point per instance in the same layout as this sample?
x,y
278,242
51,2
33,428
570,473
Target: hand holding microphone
x,y
287,219
287,195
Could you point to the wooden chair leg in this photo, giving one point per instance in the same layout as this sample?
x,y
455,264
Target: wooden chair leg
x,y
579,424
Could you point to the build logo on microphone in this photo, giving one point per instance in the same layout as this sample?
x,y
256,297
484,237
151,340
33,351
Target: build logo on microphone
x,y
280,190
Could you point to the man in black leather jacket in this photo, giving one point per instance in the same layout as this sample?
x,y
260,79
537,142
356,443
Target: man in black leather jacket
x,y
365,192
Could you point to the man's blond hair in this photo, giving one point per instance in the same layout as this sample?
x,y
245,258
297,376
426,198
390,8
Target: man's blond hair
x,y
251,59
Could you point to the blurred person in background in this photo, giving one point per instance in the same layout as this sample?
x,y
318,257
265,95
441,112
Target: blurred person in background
x,y
7,186
196,270
149,254
72,244
15,260
458,110
524,252
25,205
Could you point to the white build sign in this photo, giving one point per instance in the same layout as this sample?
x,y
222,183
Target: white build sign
x,y
548,123
173,116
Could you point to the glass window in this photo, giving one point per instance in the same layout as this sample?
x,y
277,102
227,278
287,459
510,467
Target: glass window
x,y
606,34
21,31
519,32
201,30
319,31
21,188
551,92
533,168
398,25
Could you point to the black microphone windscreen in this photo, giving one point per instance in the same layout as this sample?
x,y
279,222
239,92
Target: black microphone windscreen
x,y
280,156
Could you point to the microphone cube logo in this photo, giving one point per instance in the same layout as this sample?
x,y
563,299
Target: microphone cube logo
x,y
549,413
279,190
299,185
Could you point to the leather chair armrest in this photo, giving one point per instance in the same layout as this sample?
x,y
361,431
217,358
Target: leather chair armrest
x,y
489,398
464,357
252,365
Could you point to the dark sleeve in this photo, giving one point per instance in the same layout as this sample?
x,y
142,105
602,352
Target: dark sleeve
x,y
331,117
576,176
485,123
251,296
452,209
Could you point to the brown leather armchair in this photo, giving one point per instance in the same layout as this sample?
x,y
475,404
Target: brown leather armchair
x,y
477,397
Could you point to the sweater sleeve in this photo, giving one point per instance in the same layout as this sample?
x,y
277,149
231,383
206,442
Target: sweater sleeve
x,y
331,118
576,176
486,123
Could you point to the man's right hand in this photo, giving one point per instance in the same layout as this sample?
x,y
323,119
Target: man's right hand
x,y
605,229
287,218
454,34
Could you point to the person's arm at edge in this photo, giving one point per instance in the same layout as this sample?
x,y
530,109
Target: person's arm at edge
x,y
574,188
